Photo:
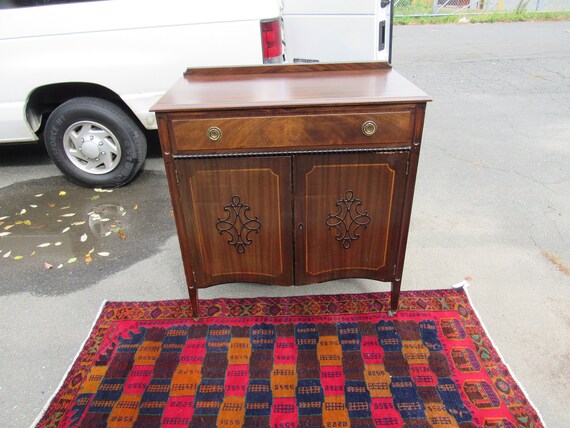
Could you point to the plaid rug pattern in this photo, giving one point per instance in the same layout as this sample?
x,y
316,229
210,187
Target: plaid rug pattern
x,y
316,361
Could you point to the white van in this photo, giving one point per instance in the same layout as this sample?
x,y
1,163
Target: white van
x,y
85,73
338,30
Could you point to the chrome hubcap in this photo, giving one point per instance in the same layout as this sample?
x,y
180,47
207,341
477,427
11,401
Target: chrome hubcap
x,y
92,147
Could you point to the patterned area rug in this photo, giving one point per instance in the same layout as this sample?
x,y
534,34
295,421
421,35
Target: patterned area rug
x,y
332,361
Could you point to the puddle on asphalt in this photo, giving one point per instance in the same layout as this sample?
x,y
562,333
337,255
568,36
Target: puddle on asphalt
x,y
56,237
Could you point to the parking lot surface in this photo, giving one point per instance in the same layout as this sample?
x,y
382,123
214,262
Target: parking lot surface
x,y
491,205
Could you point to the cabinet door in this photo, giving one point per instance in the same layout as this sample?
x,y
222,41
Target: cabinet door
x,y
348,210
237,215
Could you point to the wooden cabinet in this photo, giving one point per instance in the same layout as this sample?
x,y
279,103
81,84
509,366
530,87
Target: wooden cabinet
x,y
237,219
348,210
290,175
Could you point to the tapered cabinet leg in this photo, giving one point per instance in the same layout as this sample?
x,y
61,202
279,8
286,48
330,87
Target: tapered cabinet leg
x,y
395,296
193,292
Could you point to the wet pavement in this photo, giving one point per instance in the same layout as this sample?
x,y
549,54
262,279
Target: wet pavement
x,y
53,232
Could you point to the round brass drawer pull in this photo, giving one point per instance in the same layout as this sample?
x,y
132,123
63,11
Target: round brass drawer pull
x,y
369,128
214,133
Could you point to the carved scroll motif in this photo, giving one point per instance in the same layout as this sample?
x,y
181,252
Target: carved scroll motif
x,y
348,219
237,224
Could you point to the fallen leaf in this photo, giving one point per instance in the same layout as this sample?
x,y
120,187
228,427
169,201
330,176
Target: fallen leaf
x,y
7,254
98,189
88,258
91,251
39,195
33,206
22,212
57,244
47,265
5,233
83,237
78,223
51,205
103,220
62,193
171,213
59,266
65,208
19,222
27,222
67,215
72,260
10,226
557,262
33,253
136,207
121,234
18,257
5,217
93,198
65,230
47,244
103,254
108,233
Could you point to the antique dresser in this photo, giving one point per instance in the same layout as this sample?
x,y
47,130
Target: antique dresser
x,y
292,174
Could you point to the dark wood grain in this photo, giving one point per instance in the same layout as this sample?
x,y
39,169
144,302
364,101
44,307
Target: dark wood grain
x,y
247,90
208,186
293,132
284,68
165,142
279,165
408,200
376,182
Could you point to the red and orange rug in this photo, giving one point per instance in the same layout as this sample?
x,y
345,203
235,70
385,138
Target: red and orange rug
x,y
318,361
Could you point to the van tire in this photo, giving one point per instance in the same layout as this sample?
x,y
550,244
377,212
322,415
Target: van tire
x,y
95,143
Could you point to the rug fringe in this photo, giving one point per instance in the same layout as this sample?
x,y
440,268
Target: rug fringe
x,y
501,356
46,407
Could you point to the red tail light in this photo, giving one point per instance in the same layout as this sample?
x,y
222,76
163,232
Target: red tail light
x,y
271,41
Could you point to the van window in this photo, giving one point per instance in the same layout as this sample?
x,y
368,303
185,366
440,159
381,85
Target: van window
x,y
12,4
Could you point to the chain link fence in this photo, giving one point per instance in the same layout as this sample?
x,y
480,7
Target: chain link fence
x,y
450,7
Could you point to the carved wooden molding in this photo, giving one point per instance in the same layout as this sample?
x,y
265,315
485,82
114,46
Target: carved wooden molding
x,y
237,224
348,219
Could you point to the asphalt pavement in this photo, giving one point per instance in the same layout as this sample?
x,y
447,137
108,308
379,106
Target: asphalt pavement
x,y
491,205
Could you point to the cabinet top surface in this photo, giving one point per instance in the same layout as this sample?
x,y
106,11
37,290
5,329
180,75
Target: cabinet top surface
x,y
288,86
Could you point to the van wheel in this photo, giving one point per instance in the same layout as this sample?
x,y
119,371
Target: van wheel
x,y
95,143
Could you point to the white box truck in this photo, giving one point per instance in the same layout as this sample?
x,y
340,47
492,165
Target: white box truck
x,y
337,30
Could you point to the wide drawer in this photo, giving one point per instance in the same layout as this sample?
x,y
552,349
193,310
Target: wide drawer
x,y
299,132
